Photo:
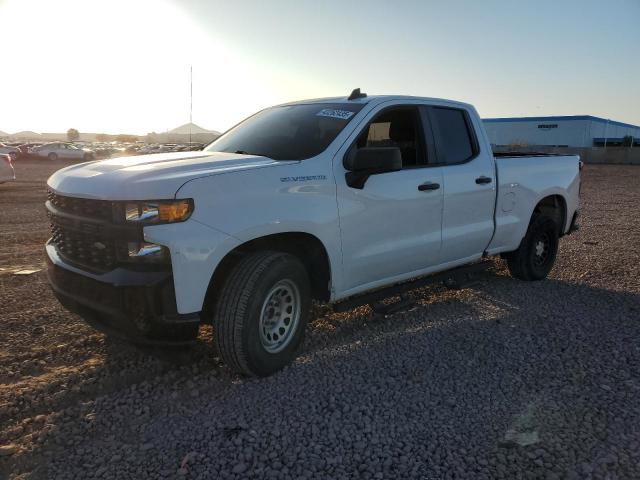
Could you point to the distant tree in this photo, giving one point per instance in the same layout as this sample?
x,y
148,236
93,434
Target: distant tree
x,y
123,138
102,137
627,140
518,144
73,135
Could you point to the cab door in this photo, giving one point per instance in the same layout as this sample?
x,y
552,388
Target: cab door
x,y
391,226
469,184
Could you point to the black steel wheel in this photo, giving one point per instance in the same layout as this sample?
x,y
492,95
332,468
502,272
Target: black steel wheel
x,y
534,258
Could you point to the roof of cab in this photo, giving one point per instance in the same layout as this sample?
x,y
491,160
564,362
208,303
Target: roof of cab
x,y
377,99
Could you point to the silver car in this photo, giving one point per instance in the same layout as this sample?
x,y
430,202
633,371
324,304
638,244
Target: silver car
x,y
14,152
56,150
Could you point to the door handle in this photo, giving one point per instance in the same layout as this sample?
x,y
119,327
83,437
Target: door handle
x,y
428,186
482,180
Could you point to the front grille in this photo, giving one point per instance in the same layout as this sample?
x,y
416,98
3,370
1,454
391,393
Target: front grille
x,y
92,209
84,249
78,231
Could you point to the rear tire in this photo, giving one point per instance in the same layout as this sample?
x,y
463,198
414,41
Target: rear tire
x,y
53,156
262,312
534,258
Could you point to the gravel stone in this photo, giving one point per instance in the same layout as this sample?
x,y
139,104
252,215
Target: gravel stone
x,y
6,450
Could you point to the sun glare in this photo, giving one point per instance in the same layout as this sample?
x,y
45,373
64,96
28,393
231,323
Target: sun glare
x,y
123,66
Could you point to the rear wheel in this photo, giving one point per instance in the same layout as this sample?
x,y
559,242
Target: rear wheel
x,y
53,156
534,258
262,312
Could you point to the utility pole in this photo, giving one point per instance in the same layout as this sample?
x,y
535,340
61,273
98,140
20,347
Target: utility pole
x,y
190,101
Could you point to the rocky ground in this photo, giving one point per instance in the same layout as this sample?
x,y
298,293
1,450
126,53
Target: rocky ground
x,y
506,379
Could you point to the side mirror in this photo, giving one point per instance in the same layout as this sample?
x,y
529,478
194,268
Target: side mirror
x,y
374,160
364,162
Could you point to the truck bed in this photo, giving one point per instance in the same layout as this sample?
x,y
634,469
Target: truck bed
x,y
523,180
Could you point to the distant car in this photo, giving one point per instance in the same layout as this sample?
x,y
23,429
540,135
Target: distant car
x,y
56,150
132,149
14,152
7,173
25,149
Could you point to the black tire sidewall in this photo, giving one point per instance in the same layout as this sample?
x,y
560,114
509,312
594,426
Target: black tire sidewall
x,y
260,361
540,226
53,156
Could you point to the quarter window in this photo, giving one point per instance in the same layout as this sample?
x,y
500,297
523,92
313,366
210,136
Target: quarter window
x,y
454,138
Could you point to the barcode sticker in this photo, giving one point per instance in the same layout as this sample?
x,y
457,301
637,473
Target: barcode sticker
x,y
330,112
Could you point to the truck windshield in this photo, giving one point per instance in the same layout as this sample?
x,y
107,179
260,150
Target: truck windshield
x,y
290,132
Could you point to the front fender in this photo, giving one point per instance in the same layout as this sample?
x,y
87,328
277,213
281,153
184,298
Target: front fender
x,y
196,250
297,197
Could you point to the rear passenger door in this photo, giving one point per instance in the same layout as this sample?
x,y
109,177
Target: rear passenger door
x,y
469,184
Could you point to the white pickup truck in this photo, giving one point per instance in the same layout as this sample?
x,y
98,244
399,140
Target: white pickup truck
x,y
334,199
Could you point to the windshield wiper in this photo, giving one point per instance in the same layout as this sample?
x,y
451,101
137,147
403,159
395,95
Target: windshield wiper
x,y
244,152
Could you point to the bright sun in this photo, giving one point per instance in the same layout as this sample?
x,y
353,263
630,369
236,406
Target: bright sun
x,y
123,66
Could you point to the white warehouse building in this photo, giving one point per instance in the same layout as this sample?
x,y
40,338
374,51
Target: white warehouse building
x,y
564,131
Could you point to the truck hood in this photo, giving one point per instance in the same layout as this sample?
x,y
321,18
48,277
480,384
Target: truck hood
x,y
147,177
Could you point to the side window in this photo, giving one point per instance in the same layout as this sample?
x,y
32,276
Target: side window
x,y
397,127
453,136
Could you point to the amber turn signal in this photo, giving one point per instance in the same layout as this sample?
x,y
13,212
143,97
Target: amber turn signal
x,y
174,212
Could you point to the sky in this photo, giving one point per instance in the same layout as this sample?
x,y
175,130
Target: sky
x,y
122,66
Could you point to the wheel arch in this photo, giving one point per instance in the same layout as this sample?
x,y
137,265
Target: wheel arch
x,y
555,207
307,247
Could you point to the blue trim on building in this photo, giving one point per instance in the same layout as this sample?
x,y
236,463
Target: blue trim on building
x,y
558,119
636,140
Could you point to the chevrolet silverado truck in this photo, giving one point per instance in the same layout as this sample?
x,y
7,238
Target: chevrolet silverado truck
x,y
331,200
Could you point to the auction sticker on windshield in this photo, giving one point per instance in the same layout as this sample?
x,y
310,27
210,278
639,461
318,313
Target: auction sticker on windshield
x,y
330,112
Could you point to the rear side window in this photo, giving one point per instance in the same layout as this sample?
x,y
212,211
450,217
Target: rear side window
x,y
454,139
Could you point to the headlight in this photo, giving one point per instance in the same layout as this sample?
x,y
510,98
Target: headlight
x,y
164,211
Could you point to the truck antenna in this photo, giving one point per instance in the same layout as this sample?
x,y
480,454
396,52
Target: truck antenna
x,y
355,94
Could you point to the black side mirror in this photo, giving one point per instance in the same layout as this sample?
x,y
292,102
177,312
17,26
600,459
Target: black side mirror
x,y
363,162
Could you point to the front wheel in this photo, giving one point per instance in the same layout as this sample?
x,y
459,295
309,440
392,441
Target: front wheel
x,y
53,156
262,312
534,258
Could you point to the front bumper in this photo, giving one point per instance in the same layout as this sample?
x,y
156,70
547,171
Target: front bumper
x,y
139,306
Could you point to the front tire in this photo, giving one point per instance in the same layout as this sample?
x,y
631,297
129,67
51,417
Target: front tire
x,y
534,258
262,312
53,156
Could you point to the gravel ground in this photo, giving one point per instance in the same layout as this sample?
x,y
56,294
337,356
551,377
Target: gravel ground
x,y
505,379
